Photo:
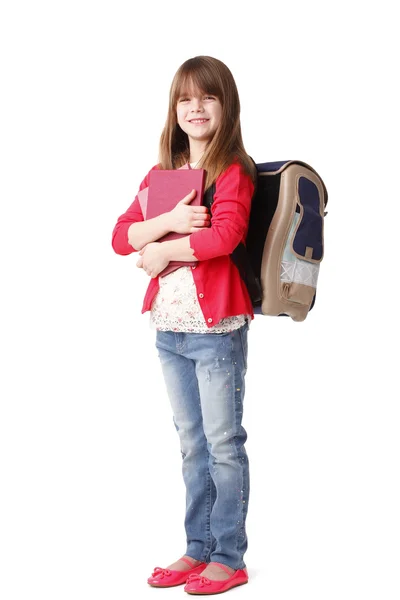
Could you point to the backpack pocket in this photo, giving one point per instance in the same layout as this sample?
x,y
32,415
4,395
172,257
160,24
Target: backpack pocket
x,y
307,242
304,247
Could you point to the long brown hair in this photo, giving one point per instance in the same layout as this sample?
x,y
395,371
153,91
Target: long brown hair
x,y
210,76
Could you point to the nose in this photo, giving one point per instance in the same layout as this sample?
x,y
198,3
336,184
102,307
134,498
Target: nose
x,y
197,107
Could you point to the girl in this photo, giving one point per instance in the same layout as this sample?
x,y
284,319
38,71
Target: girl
x,y
201,315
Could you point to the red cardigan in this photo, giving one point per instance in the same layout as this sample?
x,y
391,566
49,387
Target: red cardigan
x,y
220,289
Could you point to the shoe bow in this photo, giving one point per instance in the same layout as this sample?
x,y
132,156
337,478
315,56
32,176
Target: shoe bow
x,y
161,572
200,578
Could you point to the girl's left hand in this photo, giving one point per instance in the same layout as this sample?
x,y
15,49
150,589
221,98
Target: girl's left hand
x,y
153,259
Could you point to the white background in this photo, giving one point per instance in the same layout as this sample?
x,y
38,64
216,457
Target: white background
x,y
92,496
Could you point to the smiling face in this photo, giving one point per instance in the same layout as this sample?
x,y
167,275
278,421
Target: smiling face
x,y
199,115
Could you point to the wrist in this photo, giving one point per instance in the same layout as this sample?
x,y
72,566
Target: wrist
x,y
166,221
165,249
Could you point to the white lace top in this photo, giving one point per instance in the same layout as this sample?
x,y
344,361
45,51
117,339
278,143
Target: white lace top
x,y
177,308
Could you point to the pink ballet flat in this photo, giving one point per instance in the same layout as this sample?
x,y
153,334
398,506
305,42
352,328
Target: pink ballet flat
x,y
167,578
198,584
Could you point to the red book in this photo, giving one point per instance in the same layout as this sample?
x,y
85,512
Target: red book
x,y
166,189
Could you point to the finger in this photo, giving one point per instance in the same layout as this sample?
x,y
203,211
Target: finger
x,y
201,218
187,199
199,225
198,219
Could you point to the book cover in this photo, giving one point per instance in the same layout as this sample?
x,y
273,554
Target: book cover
x,y
143,195
166,189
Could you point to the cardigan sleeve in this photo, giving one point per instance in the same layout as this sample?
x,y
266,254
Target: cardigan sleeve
x,y
230,215
133,214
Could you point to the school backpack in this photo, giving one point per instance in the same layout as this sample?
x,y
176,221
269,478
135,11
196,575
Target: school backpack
x,y
285,241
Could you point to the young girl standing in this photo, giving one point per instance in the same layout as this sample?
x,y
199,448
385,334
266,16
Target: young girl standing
x,y
201,315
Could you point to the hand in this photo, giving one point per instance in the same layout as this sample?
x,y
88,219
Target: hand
x,y
152,259
188,219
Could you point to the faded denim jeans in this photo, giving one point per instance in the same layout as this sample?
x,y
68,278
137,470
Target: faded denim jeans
x,y
204,375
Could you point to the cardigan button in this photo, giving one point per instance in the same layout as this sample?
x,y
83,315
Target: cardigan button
x,y
209,320
201,295
193,267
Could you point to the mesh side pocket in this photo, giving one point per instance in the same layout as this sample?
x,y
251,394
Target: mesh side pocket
x,y
298,277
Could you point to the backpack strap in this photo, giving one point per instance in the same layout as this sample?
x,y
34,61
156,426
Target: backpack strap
x,y
240,255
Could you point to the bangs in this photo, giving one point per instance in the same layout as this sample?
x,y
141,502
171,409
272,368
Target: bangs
x,y
195,81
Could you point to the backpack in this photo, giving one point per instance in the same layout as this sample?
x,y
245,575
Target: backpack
x,y
284,244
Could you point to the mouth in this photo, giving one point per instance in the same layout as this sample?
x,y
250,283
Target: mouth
x,y
199,121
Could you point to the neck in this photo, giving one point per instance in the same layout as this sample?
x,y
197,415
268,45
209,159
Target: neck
x,y
196,152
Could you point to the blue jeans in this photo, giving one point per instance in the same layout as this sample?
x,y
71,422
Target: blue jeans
x,y
204,375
